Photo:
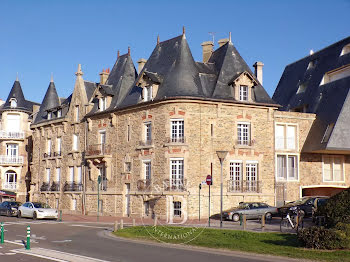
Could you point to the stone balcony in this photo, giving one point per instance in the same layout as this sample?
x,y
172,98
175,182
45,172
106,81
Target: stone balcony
x,y
13,135
10,186
11,160
98,150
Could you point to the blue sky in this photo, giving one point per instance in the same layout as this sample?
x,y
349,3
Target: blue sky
x,y
40,37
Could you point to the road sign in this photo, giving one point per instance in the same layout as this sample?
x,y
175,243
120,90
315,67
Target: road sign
x,y
208,180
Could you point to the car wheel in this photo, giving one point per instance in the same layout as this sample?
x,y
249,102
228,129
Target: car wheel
x,y
8,213
19,215
34,216
268,216
235,217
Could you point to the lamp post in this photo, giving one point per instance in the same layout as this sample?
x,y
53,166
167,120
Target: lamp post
x,y
221,155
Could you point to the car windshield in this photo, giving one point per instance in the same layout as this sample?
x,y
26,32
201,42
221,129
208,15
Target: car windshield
x,y
15,204
41,205
301,201
243,205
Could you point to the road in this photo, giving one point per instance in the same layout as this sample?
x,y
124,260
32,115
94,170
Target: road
x,y
81,241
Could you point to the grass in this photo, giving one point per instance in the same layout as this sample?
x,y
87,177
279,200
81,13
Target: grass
x,y
262,243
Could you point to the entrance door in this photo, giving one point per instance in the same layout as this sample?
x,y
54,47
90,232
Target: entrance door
x,y
127,199
10,180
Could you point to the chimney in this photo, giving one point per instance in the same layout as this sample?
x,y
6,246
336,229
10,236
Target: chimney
x,y
141,63
221,42
2,102
103,76
259,71
207,50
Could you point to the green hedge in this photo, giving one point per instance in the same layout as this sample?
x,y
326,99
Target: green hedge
x,y
326,238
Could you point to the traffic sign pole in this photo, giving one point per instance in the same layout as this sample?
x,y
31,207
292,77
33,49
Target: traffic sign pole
x,y
199,204
209,182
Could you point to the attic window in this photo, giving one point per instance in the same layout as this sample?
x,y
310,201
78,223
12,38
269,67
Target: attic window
x,y
49,115
148,93
328,132
311,64
345,50
336,74
302,88
13,102
102,103
59,113
243,93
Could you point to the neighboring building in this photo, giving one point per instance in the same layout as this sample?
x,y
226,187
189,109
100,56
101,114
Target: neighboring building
x,y
16,115
152,138
318,84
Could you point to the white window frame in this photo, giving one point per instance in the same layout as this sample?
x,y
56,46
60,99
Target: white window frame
x,y
75,142
12,150
49,146
148,131
102,103
148,93
59,145
285,138
342,161
58,174
147,169
13,102
243,93
288,177
177,208
48,175
49,115
251,175
177,129
242,139
79,175
71,174
59,113
177,179
103,137
77,116
236,175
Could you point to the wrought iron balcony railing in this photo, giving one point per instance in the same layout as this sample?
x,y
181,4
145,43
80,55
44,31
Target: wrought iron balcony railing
x,y
55,186
176,140
179,184
98,149
148,142
244,186
45,186
241,142
73,186
144,185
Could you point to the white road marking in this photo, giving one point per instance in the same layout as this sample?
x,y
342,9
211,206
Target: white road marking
x,y
87,226
57,255
61,241
15,243
10,253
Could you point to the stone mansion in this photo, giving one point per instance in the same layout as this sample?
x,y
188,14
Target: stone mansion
x,y
144,140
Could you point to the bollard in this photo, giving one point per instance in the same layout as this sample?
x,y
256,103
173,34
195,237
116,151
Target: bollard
x,y
263,223
155,221
121,224
133,222
28,238
115,226
2,233
244,222
240,219
60,219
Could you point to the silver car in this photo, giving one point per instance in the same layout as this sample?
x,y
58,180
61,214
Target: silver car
x,y
251,209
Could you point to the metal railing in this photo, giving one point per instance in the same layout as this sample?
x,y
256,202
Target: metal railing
x,y
241,142
148,142
45,186
175,184
144,185
9,185
11,134
55,186
176,140
58,153
98,149
243,186
73,186
11,160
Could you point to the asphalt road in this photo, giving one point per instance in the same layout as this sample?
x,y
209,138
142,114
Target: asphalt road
x,y
74,241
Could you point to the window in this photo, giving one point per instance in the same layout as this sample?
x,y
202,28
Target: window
x,y
128,133
147,169
48,147
177,173
49,115
146,208
74,204
147,93
13,102
103,137
251,176
71,173
12,150
148,131
327,133
103,103
345,50
212,130
177,208
13,122
177,130
58,145
79,175
243,133
102,173
285,137
58,174
336,74
236,170
77,117
127,167
75,142
302,88
48,174
243,93
59,113
333,169
287,167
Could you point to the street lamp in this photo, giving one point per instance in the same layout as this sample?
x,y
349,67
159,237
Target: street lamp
x,y
221,155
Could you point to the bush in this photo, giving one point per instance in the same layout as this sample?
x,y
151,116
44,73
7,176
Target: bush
x,y
326,238
336,209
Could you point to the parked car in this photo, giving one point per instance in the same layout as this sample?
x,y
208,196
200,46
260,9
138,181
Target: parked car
x,y
307,205
9,208
37,210
251,209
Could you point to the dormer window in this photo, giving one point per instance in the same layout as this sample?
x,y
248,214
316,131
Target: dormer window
x,y
243,93
345,50
13,102
103,103
59,113
49,115
148,93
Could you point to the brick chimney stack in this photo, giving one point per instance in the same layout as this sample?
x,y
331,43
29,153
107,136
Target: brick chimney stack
x,y
104,75
259,71
207,50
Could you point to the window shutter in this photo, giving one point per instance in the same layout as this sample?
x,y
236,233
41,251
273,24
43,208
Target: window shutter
x,y
291,137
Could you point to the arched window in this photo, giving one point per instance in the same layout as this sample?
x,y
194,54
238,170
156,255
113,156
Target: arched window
x,y
10,181
13,102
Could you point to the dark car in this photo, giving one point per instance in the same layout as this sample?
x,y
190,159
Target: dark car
x,y
306,205
9,208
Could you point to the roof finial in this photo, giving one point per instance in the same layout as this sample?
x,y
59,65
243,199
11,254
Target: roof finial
x,y
183,30
158,40
17,77
51,81
128,50
79,72
118,54
229,38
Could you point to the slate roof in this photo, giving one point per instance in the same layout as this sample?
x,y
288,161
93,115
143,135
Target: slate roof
x,y
22,104
171,64
330,102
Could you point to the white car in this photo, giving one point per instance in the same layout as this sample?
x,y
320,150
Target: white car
x,y
37,210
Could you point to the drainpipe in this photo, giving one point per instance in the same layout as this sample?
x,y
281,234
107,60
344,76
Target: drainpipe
x,y
84,165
